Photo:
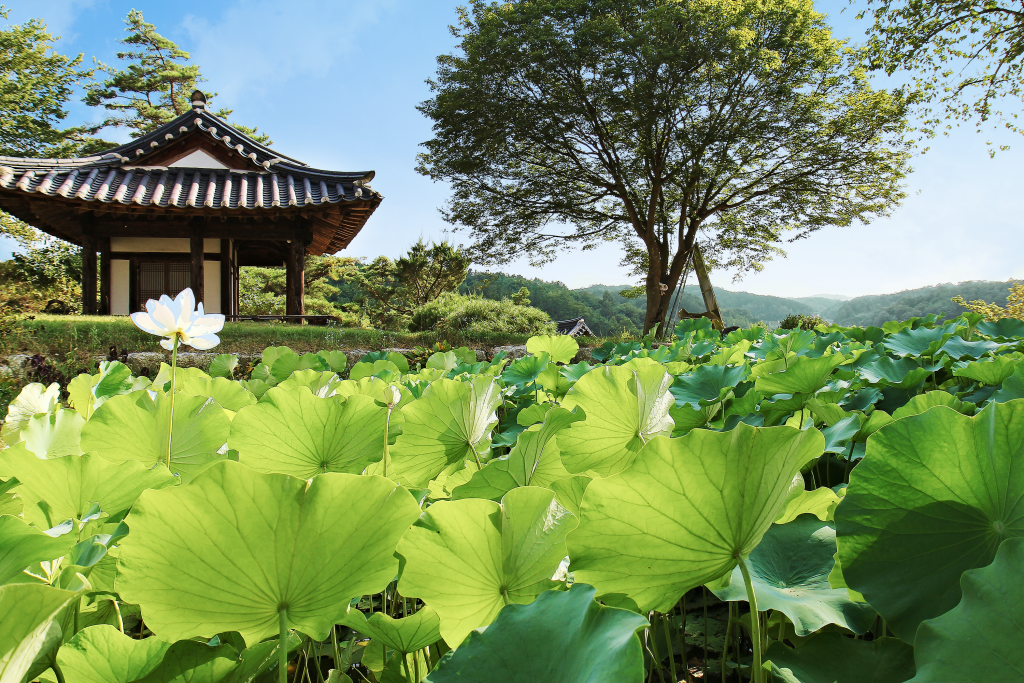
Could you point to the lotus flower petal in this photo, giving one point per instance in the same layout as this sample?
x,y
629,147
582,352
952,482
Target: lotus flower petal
x,y
203,342
145,322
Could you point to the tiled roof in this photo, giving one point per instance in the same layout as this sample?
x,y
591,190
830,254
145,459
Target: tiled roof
x,y
574,327
105,179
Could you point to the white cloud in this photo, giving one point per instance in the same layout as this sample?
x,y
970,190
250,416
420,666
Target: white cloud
x,y
256,48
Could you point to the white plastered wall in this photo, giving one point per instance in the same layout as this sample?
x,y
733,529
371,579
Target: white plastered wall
x,y
120,283
211,279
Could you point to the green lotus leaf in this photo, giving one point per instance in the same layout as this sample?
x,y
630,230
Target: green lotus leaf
x,y
88,392
789,571
829,413
65,488
803,375
337,361
534,460
134,427
181,375
685,510
569,492
625,408
562,636
707,384
235,548
469,558
193,662
53,435
1012,387
375,388
903,373
820,502
27,613
1005,328
449,424
834,658
287,363
532,414
957,348
291,431
272,353
102,654
361,370
925,401
839,435
991,371
224,365
561,348
321,383
934,496
981,636
227,393
22,545
920,342
400,361
525,370
34,399
405,635
573,373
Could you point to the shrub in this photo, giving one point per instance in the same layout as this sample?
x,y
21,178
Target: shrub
x,y
799,320
1014,305
454,315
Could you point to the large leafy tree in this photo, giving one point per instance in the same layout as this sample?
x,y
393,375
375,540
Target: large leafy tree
x,y
36,83
659,124
154,87
965,55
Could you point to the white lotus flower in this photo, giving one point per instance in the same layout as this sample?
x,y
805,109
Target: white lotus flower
x,y
180,318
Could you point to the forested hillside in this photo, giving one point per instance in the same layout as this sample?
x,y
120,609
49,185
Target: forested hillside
x,y
608,313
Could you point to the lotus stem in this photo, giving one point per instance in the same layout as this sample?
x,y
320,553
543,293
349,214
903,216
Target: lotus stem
x,y
725,646
387,436
57,672
704,659
756,673
120,621
405,663
668,643
334,642
170,418
282,645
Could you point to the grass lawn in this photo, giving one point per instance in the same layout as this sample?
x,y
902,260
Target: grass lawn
x,y
80,337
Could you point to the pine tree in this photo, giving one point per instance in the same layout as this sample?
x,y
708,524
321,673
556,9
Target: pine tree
x,y
154,87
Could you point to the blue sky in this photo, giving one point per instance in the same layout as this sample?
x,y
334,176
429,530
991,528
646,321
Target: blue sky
x,y
335,83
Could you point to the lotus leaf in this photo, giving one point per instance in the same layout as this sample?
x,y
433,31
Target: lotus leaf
x,y
981,637
561,348
923,402
224,365
1012,387
957,348
686,509
34,399
469,558
534,460
53,435
102,654
27,612
134,427
804,375
65,488
236,549
1005,328
920,342
935,496
989,371
449,424
903,373
563,636
405,635
789,570
526,370
820,502
22,545
291,431
834,658
230,395
625,408
707,384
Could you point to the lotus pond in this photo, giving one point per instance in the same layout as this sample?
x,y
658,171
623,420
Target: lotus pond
x,y
842,505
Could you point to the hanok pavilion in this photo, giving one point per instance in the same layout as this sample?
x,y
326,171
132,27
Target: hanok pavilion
x,y
186,206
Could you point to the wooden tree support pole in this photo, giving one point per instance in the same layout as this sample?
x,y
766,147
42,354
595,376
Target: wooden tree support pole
x,y
706,290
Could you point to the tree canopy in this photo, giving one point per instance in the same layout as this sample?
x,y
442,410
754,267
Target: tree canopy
x,y
659,125
154,87
965,55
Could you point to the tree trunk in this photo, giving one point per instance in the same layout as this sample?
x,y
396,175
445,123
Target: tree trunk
x,y
659,303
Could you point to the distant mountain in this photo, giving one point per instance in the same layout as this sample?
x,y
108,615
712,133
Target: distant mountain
x,y
836,297
878,309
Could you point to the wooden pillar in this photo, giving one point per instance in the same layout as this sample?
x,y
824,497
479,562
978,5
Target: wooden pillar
x,y
198,272
236,279
88,275
105,283
295,298
225,277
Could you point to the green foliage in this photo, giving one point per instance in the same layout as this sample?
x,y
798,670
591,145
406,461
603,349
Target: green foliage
x,y
456,317
536,121
154,87
801,321
416,505
984,40
396,290
262,290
